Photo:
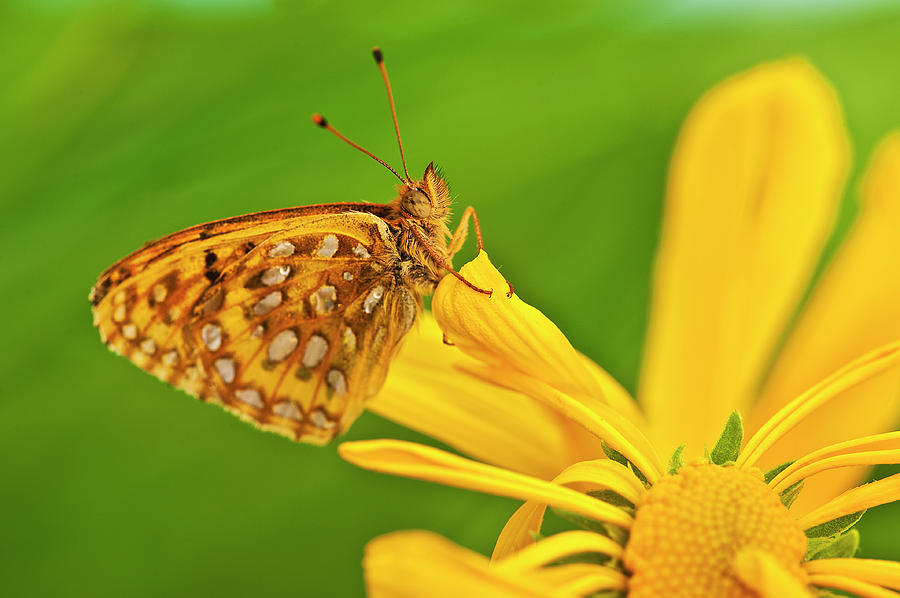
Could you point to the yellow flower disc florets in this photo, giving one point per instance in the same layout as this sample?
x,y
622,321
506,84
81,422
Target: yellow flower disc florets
x,y
690,526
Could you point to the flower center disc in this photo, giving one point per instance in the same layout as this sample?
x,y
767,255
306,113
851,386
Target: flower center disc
x,y
690,526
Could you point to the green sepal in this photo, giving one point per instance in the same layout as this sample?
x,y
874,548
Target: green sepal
x,y
838,547
676,461
613,498
835,526
728,447
790,494
770,475
614,532
591,525
591,558
618,457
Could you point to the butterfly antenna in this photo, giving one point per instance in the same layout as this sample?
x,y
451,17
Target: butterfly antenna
x,y
320,121
379,60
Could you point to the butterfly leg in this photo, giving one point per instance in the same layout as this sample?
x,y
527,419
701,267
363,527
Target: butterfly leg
x,y
459,237
440,261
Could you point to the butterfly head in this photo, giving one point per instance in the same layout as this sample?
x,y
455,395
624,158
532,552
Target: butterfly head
x,y
425,198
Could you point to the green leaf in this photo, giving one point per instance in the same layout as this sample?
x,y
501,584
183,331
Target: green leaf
x,y
592,525
728,446
676,461
770,475
835,526
838,547
613,454
790,494
618,457
591,558
613,498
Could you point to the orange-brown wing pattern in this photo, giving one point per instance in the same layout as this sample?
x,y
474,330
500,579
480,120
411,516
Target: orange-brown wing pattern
x,y
289,323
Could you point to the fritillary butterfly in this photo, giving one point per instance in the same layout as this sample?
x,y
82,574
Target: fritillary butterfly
x,y
288,318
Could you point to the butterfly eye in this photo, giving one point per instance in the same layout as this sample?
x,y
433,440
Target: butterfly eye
x,y
416,203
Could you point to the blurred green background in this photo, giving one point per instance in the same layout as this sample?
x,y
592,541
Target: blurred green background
x,y
121,122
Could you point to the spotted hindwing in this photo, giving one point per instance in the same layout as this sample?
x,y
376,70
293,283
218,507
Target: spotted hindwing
x,y
290,322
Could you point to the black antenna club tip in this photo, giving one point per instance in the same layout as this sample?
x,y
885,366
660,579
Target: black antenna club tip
x,y
376,52
319,120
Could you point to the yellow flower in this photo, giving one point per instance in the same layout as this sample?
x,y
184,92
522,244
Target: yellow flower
x,y
753,190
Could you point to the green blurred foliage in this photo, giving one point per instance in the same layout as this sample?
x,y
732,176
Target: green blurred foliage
x,y
122,122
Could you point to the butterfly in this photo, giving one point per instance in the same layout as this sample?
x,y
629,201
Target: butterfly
x,y
288,318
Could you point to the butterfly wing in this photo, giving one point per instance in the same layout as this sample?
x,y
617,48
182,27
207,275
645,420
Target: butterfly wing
x,y
287,318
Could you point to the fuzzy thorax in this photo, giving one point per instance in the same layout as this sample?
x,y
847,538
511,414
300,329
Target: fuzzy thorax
x,y
420,211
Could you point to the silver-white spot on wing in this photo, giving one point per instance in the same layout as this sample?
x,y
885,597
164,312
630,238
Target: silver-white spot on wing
x,y
320,420
337,382
287,409
211,335
282,345
148,346
170,358
267,303
225,368
275,275
328,247
316,348
159,293
249,396
373,298
283,249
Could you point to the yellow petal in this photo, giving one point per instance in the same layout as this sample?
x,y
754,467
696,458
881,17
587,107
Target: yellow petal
x,y
754,185
762,573
852,309
519,531
852,501
599,419
864,368
556,547
849,584
602,473
883,573
426,392
582,579
416,564
412,460
614,394
882,449
505,332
